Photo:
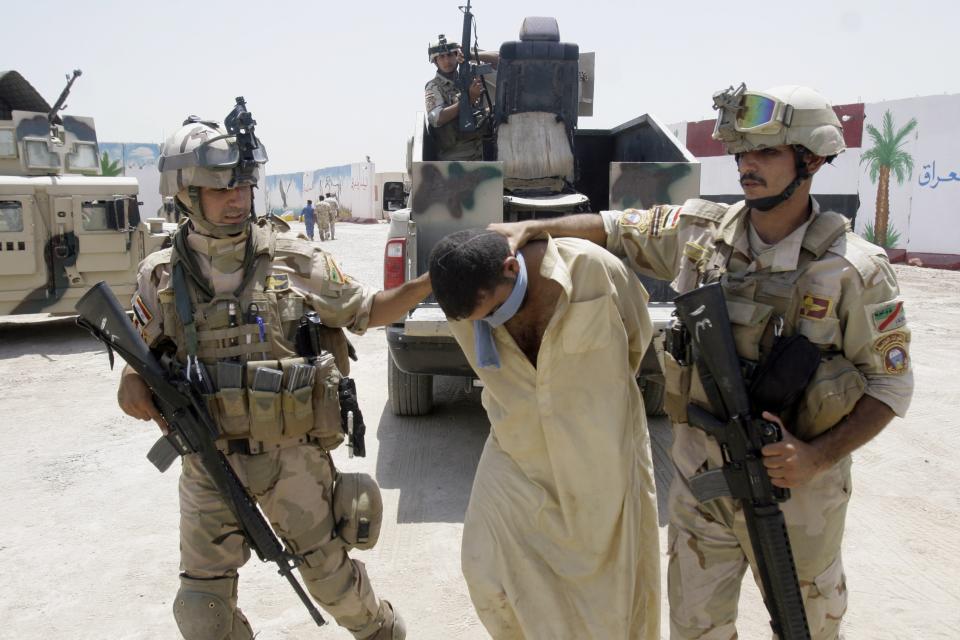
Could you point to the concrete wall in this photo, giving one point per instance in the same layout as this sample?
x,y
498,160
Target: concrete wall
x,y
353,185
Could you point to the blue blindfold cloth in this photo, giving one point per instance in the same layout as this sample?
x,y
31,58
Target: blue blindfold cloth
x,y
486,347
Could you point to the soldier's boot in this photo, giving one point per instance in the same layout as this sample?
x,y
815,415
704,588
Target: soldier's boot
x,y
391,624
207,610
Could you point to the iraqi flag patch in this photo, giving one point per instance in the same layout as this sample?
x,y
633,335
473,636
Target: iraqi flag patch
x,y
141,314
889,316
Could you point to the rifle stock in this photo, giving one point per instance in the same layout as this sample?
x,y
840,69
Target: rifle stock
x,y
192,430
741,437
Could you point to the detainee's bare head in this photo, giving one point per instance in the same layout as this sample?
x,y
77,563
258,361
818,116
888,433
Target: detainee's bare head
x,y
470,271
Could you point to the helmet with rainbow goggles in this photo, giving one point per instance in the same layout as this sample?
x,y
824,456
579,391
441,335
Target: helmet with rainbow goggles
x,y
787,115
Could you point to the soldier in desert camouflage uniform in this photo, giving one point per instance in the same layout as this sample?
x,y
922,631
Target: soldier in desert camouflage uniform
x,y
442,101
786,267
323,219
248,284
334,211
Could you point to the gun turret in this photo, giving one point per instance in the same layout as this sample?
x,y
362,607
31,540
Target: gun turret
x,y
59,104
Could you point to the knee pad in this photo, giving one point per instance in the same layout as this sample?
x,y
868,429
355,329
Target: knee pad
x,y
357,510
207,610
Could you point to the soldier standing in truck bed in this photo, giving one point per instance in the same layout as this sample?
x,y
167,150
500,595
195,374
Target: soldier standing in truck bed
x,y
442,101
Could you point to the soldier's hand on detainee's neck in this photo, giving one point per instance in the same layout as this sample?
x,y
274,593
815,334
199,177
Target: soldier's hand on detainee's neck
x,y
136,400
588,226
518,234
791,462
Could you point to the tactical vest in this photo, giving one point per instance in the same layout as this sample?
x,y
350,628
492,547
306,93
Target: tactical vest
x,y
763,304
235,335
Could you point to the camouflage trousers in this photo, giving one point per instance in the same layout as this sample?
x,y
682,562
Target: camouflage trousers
x,y
294,488
709,548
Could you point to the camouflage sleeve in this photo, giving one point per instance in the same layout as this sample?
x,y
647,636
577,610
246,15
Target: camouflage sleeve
x,y
340,300
145,304
433,101
657,240
876,337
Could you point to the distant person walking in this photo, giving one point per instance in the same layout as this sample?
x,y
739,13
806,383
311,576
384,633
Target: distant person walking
x,y
309,217
333,211
323,219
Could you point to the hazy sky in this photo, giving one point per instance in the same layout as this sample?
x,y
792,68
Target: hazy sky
x,y
331,82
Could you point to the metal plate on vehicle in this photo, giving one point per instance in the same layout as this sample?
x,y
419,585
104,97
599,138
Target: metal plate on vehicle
x,y
427,321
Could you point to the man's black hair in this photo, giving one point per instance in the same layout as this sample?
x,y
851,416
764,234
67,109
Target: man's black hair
x,y
309,201
462,265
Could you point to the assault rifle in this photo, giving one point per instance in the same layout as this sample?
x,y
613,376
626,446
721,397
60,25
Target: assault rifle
x,y
191,429
741,436
469,119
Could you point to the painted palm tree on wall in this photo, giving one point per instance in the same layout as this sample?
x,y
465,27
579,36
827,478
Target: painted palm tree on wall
x,y
109,167
886,156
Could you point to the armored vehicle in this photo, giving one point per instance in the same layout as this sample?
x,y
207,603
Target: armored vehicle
x,y
63,226
537,162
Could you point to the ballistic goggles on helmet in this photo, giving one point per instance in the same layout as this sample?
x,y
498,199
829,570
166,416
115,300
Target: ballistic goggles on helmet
x,y
742,111
210,155
441,47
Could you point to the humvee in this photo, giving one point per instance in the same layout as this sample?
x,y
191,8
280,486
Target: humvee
x,y
63,226
537,162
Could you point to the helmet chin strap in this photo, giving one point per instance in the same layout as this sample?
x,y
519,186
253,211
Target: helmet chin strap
x,y
769,202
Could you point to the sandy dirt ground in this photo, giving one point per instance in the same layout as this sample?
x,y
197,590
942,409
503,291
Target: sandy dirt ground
x,y
88,533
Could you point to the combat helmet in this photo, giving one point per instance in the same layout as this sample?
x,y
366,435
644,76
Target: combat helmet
x,y
204,153
786,115
441,46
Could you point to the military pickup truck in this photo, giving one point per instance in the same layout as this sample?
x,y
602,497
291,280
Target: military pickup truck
x,y
540,164
63,226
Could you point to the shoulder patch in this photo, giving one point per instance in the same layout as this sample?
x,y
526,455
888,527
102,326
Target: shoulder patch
x,y
141,314
893,348
635,218
277,282
888,316
333,270
815,307
665,217
713,211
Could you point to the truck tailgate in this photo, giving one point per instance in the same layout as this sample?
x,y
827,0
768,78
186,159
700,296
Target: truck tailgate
x,y
427,320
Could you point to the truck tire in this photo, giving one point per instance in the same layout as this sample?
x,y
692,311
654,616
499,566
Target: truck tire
x,y
410,395
652,397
